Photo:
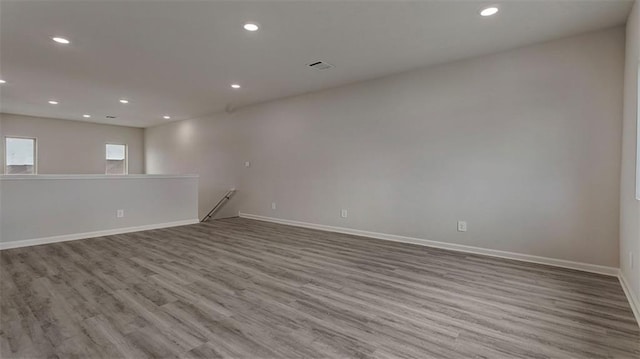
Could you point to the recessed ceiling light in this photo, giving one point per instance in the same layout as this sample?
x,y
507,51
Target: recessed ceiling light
x,y
166,117
53,102
489,11
235,86
251,27
124,101
86,116
61,40
3,82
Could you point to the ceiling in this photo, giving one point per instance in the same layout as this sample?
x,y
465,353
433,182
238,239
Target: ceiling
x,y
179,58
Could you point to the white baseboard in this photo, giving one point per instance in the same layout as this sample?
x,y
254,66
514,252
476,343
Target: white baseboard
x,y
108,232
586,267
633,300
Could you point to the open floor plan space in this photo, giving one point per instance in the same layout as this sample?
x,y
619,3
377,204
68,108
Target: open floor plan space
x,y
320,179
240,288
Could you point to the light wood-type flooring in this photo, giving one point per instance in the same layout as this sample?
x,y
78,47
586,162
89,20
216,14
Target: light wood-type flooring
x,y
238,288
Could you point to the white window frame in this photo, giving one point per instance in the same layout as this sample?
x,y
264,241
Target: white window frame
x,y
126,158
35,156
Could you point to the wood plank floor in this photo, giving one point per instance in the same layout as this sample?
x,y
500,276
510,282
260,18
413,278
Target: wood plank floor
x,y
238,288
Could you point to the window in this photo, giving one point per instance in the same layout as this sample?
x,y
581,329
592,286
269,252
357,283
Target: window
x,y
20,156
116,159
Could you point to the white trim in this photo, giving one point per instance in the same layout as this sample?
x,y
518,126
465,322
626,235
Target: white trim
x,y
633,300
108,232
586,267
85,177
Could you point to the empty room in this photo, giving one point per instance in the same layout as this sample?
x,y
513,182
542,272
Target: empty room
x,y
320,179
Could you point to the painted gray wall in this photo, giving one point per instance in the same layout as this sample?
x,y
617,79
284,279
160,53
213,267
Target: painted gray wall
x,y
524,145
36,207
73,147
629,205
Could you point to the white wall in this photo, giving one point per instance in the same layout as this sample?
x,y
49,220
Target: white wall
x,y
524,145
37,207
629,206
73,147
209,147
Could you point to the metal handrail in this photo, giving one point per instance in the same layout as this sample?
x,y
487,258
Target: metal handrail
x,y
219,205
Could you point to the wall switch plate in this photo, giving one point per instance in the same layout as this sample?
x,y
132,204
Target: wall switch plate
x,y
247,164
462,226
343,213
120,213
273,205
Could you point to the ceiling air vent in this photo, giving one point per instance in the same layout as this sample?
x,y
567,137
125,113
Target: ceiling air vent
x,y
320,65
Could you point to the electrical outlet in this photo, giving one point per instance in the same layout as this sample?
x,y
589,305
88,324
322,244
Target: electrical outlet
x,y
273,205
247,164
462,226
120,213
343,213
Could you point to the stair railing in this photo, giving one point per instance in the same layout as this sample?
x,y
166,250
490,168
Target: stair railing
x,y
220,204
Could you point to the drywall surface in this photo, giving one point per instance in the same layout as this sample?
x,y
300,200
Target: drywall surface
x,y
629,205
35,207
208,147
73,147
524,145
